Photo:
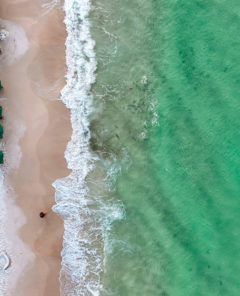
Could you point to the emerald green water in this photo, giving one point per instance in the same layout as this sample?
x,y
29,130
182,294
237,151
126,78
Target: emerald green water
x,y
167,101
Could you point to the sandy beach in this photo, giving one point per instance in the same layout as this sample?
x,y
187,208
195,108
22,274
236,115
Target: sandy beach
x,y
32,72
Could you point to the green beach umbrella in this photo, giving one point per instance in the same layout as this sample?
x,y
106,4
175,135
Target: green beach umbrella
x,y
1,85
1,131
1,157
1,112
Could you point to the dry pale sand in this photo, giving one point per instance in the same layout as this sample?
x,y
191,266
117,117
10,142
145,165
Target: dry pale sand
x,y
32,83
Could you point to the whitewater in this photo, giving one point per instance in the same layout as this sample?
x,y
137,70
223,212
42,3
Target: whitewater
x,y
87,218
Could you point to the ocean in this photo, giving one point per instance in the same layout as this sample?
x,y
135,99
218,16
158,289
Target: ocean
x,y
152,205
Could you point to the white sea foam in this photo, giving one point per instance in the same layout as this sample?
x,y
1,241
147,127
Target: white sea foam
x,y
85,219
4,276
15,46
87,213
10,213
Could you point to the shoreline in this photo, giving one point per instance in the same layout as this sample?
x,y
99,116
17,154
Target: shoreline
x,y
76,203
31,100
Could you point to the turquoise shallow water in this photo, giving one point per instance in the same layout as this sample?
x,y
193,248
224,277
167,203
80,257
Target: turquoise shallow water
x,y
167,102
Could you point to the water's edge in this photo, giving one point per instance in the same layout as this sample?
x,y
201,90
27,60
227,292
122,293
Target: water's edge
x,y
81,262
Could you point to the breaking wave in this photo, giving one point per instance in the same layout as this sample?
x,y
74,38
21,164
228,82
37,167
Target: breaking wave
x,y
87,215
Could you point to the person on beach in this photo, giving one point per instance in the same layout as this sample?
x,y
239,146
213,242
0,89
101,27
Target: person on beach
x,y
42,214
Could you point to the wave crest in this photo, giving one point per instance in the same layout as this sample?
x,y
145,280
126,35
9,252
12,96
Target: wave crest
x,y
87,218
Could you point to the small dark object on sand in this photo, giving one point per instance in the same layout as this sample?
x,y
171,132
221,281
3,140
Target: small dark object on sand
x,y
42,214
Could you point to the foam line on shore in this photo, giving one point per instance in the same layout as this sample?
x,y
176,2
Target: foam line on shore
x,y
81,259
88,213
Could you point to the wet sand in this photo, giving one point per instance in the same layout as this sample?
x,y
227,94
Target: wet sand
x,y
32,85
